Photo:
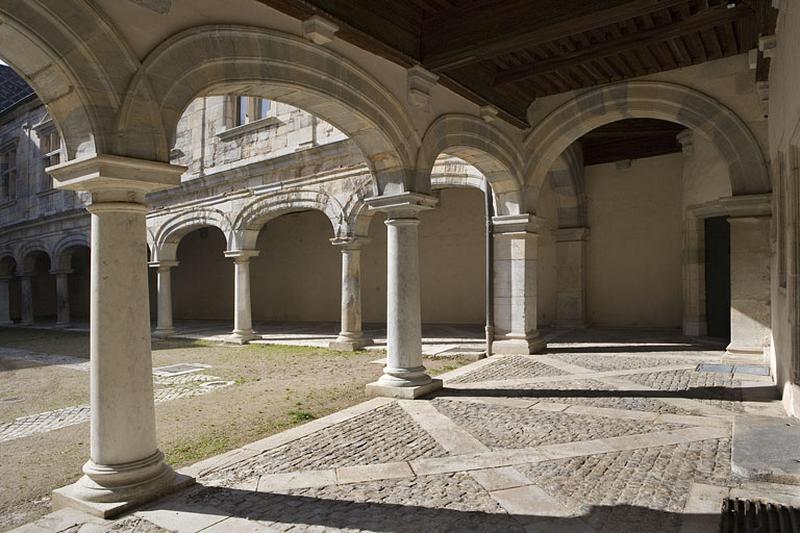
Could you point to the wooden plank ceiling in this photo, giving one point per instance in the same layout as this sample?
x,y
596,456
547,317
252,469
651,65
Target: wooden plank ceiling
x,y
633,138
509,52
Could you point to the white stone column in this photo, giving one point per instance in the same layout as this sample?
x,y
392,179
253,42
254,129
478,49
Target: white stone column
x,y
164,326
515,255
351,337
749,217
26,299
5,301
242,315
62,297
404,375
125,466
571,277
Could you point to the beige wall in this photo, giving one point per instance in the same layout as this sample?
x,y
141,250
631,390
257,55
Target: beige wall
x,y
546,272
705,173
202,284
634,251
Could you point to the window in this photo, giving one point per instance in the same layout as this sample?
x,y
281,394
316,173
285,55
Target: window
x,y
249,109
8,172
50,148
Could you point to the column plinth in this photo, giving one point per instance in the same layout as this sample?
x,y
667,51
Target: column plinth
x,y
351,337
164,325
125,467
242,316
515,257
404,375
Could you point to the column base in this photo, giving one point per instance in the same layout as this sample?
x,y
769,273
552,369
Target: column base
x,y
519,346
7,323
162,333
749,352
109,490
350,344
413,392
241,337
64,325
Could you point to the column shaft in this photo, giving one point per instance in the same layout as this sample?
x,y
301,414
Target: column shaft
x,y
5,301
242,316
62,299
351,337
164,326
26,300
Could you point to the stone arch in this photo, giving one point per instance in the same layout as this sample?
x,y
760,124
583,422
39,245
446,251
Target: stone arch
x,y
245,60
483,146
256,214
168,235
61,253
26,256
8,263
76,63
649,99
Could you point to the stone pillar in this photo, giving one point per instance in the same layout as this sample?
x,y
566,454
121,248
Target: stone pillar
x,y
62,297
571,280
125,467
164,327
242,316
515,253
694,279
404,375
351,337
749,217
26,299
5,301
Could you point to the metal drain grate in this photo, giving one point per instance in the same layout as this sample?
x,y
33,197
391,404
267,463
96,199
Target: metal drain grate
x,y
748,516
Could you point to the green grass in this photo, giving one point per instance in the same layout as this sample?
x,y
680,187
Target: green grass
x,y
191,452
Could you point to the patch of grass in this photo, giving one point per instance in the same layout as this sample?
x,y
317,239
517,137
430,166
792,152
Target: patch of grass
x,y
299,416
442,369
285,349
190,452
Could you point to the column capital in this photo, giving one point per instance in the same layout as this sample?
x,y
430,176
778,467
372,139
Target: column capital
x,y
241,256
516,224
164,264
748,205
402,205
354,242
571,234
116,179
57,271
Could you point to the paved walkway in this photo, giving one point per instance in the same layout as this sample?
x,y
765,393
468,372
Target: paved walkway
x,y
604,433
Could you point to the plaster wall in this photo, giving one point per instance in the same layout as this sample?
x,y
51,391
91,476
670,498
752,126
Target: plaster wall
x,y
202,283
546,269
634,251
705,174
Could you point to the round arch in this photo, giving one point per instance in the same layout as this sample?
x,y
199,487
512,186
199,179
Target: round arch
x,y
61,253
26,256
79,76
649,99
168,235
256,214
259,62
483,146
8,263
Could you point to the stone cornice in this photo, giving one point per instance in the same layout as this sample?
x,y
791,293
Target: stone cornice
x,y
522,223
111,173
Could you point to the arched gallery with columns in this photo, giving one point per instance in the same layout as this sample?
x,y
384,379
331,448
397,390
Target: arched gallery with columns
x,y
215,170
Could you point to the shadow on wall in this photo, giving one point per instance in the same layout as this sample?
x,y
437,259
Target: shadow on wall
x,y
332,510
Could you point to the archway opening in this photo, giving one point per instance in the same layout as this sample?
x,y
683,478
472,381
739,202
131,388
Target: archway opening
x,y
43,286
202,283
8,271
75,262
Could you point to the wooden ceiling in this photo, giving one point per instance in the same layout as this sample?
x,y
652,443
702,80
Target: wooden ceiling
x,y
509,52
633,138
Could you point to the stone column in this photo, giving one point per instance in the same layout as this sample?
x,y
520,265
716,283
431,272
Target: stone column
x,y
242,316
62,297
515,253
351,337
26,299
164,327
571,280
750,217
404,375
694,279
5,301
125,466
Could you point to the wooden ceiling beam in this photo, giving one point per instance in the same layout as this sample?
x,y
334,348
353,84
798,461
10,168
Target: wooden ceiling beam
x,y
701,21
466,36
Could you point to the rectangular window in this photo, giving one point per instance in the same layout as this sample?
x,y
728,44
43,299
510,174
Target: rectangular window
x,y
50,148
8,172
249,109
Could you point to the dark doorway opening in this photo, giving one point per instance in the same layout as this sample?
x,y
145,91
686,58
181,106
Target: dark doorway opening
x,y
718,277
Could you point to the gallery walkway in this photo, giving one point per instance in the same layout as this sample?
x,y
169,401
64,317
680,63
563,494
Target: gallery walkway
x,y
604,433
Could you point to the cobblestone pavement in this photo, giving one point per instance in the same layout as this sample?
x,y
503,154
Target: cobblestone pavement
x,y
569,441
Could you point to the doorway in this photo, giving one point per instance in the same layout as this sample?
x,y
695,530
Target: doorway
x,y
718,277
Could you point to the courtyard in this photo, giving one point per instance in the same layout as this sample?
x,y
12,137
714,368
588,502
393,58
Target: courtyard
x,y
609,430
